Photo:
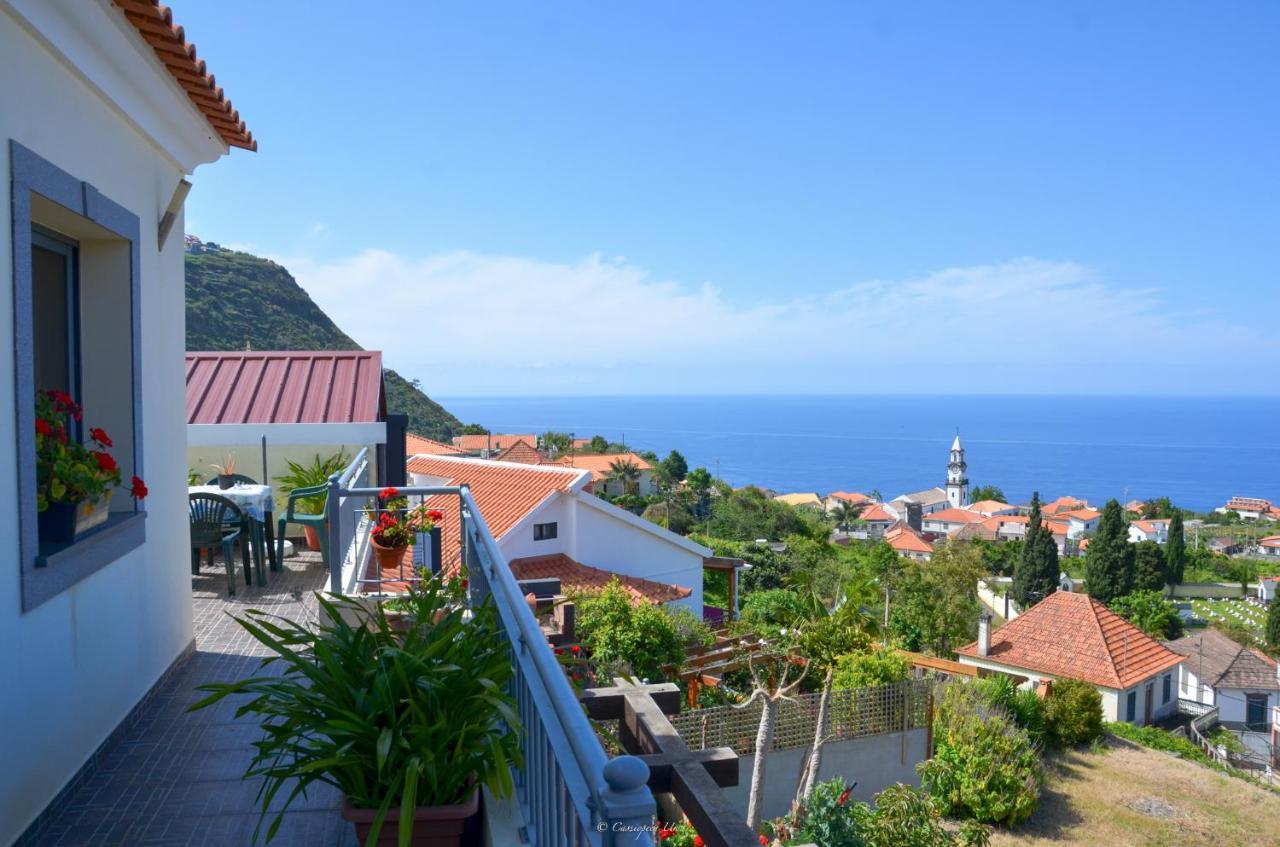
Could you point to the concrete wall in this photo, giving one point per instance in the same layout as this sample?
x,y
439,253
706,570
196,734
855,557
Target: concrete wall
x,y
249,461
76,665
1208,590
1231,704
874,763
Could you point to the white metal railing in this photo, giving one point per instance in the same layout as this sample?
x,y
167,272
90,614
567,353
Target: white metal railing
x,y
569,790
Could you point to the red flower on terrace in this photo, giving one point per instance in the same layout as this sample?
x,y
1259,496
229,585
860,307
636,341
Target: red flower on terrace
x,y
99,435
389,493
575,649
435,515
664,834
559,651
105,461
698,842
764,841
844,797
42,427
139,488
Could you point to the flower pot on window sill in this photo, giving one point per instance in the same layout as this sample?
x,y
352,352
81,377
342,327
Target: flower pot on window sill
x,y
433,826
63,523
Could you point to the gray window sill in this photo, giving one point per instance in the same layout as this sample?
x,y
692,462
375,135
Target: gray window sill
x,y
60,566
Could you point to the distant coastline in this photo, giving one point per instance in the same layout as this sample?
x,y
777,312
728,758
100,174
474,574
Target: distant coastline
x,y
1198,451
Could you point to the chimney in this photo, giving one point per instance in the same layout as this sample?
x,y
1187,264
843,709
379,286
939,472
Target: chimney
x,y
915,516
984,634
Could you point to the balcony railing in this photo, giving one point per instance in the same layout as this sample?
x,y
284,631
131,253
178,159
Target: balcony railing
x,y
570,791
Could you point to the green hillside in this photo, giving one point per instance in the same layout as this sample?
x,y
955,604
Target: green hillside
x,y
234,299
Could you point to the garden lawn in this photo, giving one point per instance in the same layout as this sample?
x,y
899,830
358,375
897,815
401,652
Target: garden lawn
x,y
1127,795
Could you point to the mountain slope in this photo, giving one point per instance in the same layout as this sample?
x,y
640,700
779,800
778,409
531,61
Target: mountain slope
x,y
236,299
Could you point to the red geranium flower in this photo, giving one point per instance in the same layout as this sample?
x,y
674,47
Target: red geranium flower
x,y
435,515
42,427
389,493
844,797
99,435
698,842
139,488
105,461
464,583
559,651
576,649
664,834
764,841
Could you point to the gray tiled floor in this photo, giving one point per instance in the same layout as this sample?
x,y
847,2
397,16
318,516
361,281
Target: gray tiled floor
x,y
173,778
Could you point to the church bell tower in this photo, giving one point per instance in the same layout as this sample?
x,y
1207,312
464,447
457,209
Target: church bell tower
x,y
957,481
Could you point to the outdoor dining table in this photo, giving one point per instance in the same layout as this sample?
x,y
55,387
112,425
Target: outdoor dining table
x,y
257,504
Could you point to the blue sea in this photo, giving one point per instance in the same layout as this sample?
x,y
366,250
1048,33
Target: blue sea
x,y
1197,451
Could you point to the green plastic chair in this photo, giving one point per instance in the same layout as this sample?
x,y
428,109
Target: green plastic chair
x,y
252,531
317,521
215,522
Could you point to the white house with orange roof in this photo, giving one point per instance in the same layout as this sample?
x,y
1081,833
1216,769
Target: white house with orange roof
x,y
420,445
1065,503
1080,522
491,444
948,521
853,498
1154,529
907,542
876,519
106,112
1250,508
545,516
988,508
1072,636
1269,547
600,466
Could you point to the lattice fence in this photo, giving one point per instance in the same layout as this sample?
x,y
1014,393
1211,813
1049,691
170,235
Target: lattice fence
x,y
853,713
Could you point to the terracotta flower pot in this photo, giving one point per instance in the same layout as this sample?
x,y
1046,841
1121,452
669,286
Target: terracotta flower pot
x,y
389,557
433,826
313,537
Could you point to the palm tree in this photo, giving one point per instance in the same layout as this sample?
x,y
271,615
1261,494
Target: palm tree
x,y
845,513
625,472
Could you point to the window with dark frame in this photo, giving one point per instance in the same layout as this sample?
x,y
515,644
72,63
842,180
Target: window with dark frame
x,y
55,312
1131,707
545,531
1168,688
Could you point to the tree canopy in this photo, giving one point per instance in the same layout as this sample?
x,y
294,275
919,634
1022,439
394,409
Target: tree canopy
x,y
1175,552
1148,566
1149,612
1109,558
986,492
1035,576
935,604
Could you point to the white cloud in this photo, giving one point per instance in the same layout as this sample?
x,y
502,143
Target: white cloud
x,y
468,323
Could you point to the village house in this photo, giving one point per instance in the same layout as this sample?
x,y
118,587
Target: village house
x,y
1080,522
853,498
1071,636
548,524
521,453
1269,547
418,445
1267,588
803,500
948,521
1224,544
1066,503
988,508
929,500
600,466
1250,508
1243,683
908,542
876,519
1155,529
491,444
1134,507
107,113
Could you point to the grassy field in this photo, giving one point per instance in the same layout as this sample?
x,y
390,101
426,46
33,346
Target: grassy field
x,y
1128,795
1238,611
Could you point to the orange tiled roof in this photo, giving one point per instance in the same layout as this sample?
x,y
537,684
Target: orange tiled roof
x,y
601,462
496,441
416,445
960,516
904,539
1248,504
521,453
857,498
988,506
996,521
1270,541
154,23
575,576
1085,514
876,513
1063,504
1072,635
1134,506
1152,526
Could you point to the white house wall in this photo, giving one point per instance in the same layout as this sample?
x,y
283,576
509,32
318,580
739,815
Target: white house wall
x,y
1231,704
76,665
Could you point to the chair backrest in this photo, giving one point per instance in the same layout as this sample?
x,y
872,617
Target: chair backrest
x,y
209,513
297,494
235,477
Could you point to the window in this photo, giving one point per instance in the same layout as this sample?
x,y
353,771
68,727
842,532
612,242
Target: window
x,y
1168,688
1131,707
75,254
1255,712
544,531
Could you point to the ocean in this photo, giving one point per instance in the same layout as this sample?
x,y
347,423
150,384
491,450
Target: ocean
x,y
1198,451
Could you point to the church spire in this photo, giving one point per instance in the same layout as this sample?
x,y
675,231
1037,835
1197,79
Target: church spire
x,y
957,479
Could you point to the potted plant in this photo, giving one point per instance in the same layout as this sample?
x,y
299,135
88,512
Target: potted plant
x,y
226,472
407,724
309,476
424,521
391,534
74,481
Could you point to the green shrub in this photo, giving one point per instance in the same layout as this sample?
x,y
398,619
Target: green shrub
x,y
1149,612
1023,705
642,639
901,817
864,670
984,766
773,609
1073,713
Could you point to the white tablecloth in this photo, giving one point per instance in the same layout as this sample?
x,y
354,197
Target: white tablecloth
x,y
254,500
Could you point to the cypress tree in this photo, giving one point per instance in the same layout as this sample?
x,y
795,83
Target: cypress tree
x,y
1273,625
1175,552
1148,566
1109,559
1035,576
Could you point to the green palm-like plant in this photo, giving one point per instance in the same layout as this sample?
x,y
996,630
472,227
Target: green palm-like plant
x,y
845,513
309,476
390,718
626,472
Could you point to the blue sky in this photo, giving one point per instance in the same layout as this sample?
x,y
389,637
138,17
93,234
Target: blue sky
x,y
751,196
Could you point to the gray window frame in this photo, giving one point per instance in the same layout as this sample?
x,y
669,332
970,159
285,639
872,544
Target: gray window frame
x,y
540,531
1131,707
49,571
1167,688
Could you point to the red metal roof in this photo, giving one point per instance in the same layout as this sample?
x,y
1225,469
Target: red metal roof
x,y
289,386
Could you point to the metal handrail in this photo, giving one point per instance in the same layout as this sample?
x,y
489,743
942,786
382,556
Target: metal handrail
x,y
619,807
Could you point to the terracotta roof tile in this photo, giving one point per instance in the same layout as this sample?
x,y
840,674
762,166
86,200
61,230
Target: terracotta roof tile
x,y
857,498
904,539
601,462
875,513
574,576
960,516
1065,503
154,23
1071,635
417,445
988,506
522,453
